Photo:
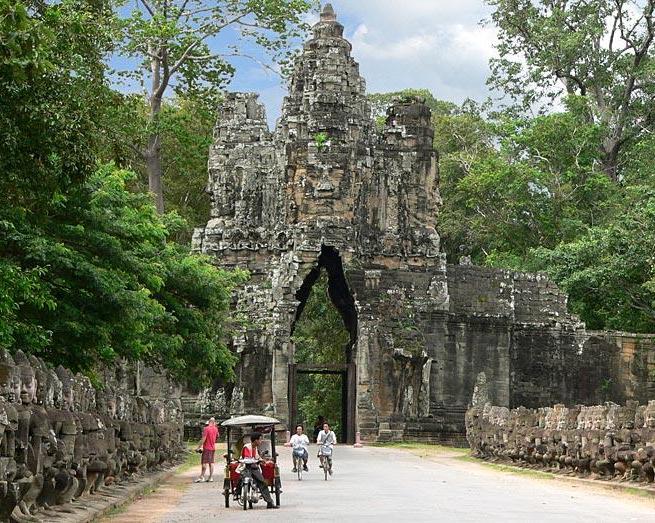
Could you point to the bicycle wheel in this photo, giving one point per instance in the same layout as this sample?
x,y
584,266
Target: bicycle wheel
x,y
326,464
299,463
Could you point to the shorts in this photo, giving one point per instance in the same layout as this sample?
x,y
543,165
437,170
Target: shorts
x,y
207,457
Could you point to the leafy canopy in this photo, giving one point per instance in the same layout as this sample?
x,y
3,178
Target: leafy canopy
x,y
88,273
599,50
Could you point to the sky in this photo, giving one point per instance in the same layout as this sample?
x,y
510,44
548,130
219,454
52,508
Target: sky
x,y
434,44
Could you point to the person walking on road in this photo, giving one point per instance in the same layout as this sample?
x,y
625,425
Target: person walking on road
x,y
207,446
318,425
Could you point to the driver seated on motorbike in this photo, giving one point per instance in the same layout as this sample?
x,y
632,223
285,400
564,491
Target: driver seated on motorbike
x,y
250,451
300,444
326,438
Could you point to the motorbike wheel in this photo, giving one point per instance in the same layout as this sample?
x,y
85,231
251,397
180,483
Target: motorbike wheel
x,y
227,499
245,493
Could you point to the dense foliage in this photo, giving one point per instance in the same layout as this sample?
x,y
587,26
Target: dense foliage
x,y
87,269
185,127
599,50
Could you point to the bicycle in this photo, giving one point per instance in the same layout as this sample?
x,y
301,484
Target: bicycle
x,y
325,456
299,461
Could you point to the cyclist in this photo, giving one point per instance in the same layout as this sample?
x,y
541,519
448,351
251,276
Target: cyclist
x,y
326,440
300,444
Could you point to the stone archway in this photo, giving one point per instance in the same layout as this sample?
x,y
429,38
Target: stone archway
x,y
329,189
342,298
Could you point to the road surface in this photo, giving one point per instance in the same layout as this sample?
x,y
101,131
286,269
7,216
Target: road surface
x,y
385,484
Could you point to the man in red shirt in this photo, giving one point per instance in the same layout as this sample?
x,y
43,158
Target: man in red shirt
x,y
250,451
208,446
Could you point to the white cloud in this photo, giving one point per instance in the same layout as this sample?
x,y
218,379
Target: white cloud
x,y
434,44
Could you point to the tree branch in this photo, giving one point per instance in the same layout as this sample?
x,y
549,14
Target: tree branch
x,y
148,8
189,49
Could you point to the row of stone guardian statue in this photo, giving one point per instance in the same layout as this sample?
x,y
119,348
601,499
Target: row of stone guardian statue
x,y
607,441
61,439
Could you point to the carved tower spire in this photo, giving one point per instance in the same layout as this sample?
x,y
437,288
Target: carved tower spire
x,y
326,127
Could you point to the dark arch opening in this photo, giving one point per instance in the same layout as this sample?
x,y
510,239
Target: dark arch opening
x,y
323,364
338,291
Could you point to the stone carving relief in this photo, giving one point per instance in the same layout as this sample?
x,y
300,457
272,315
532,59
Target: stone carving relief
x,y
62,440
607,441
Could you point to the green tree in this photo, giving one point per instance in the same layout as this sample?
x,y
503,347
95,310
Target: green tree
x,y
186,130
538,188
51,71
118,288
600,50
170,40
609,272
87,273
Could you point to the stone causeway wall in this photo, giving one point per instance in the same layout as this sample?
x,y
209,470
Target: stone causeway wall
x,y
609,441
62,440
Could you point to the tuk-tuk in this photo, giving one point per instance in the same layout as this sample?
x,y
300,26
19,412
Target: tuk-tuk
x,y
243,426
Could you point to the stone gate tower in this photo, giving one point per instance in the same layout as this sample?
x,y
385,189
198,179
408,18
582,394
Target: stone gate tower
x,y
327,190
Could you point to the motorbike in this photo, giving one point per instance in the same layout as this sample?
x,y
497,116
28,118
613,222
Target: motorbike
x,y
250,492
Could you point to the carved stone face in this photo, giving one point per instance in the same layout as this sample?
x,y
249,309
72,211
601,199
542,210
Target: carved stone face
x,y
111,407
6,387
649,415
67,397
106,403
28,386
15,386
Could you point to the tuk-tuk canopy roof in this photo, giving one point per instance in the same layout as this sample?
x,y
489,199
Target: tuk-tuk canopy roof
x,y
250,420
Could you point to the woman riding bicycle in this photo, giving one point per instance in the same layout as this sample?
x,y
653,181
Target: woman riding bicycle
x,y
300,444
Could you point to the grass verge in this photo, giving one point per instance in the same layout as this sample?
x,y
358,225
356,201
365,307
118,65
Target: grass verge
x,y
507,468
424,450
192,458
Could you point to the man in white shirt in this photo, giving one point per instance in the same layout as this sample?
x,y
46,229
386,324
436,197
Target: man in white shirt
x,y
300,442
326,440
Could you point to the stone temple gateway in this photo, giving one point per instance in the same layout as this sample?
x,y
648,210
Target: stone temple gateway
x,y
327,190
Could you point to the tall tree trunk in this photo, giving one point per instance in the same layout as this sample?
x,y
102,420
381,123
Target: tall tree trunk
x,y
610,161
152,154
154,167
